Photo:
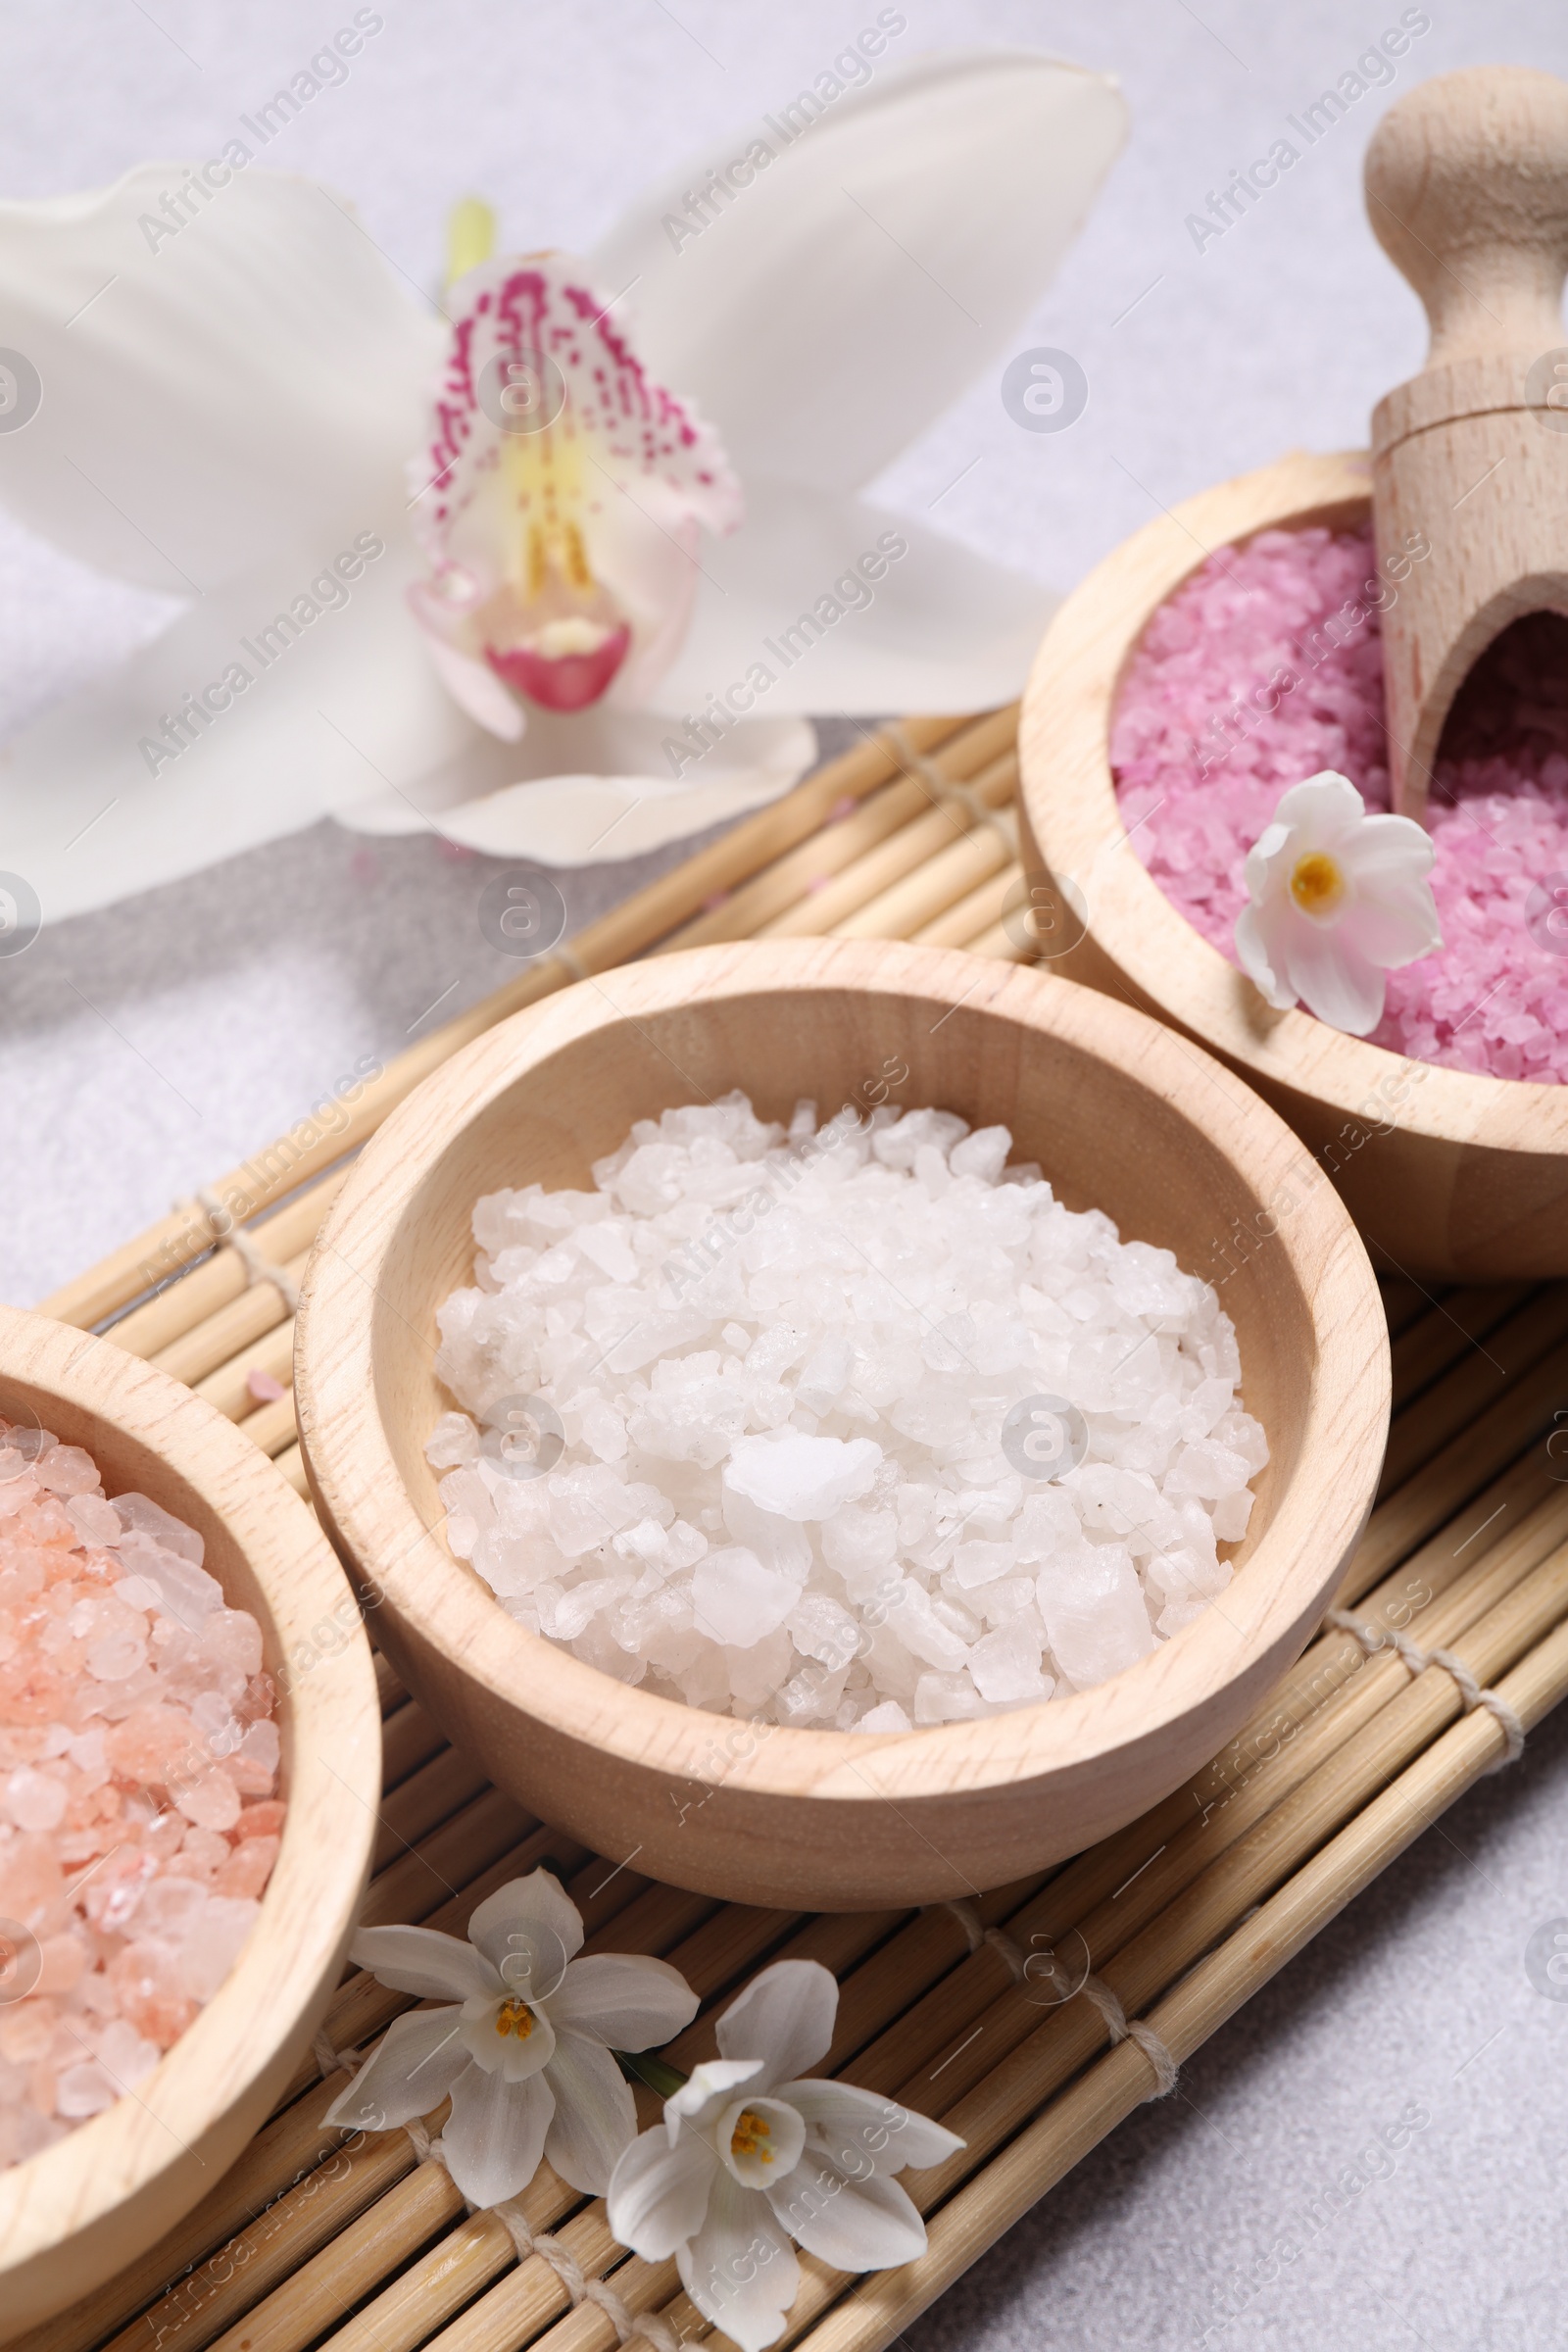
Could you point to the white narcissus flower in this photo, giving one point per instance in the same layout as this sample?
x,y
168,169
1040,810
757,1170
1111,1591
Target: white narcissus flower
x,y
525,2050
232,385
1338,898
754,2152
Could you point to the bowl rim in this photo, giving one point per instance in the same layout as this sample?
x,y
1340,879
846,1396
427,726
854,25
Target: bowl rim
x,y
362,1495
283,1977
1069,797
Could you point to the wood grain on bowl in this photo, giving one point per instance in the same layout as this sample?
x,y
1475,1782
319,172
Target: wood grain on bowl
x,y
1446,1173
73,2215
1124,1116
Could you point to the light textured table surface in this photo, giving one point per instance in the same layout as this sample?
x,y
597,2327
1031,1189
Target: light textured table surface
x,y
146,1049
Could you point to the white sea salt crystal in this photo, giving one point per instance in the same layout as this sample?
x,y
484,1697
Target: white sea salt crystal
x,y
799,1477
1096,1619
782,1361
888,1717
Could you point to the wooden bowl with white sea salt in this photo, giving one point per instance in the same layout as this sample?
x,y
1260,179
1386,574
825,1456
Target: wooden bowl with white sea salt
x,y
1449,1172
793,1528
191,1766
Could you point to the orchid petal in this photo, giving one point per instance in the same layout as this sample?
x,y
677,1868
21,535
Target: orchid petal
x,y
423,1961
495,2137
596,2117
630,2002
854,2224
1333,980
659,2193
846,296
804,609
784,2017
349,706
740,2269
474,688
211,395
419,2059
855,2127
528,1930
607,812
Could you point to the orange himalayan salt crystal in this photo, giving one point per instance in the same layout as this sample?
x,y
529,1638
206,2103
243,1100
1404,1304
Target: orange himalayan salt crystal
x,y
139,1819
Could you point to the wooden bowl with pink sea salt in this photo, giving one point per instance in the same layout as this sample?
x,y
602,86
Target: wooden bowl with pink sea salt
x,y
1105,1111
1450,1171
171,1965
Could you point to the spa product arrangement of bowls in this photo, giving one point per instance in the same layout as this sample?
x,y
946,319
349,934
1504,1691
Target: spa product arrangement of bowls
x,y
1119,1116
186,1808
1449,1172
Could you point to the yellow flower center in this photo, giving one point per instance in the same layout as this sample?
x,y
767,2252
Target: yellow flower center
x,y
514,2017
752,2136
1317,882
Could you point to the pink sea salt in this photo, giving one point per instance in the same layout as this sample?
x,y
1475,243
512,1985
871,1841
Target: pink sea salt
x,y
138,1758
1265,668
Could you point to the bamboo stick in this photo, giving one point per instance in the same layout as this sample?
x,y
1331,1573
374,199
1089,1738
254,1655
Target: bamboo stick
x,y
999,943
1441,1336
218,1338
1452,1403
979,911
290,1463
1424,1503
509,2315
428,1797
282,2152
925,835
410,1737
304,2225
281,1237
938,883
622,932
797,875
1403,1300
227,1389
273,1427
422,1878
1204,2000
389,1689
404,2314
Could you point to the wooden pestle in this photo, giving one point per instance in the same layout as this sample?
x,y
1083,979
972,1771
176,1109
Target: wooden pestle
x,y
1467,192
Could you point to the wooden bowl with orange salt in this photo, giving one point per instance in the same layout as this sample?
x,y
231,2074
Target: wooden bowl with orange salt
x,y
1122,1116
77,2212
1448,1173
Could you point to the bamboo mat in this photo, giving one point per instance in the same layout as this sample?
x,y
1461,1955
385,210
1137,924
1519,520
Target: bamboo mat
x,y
317,2239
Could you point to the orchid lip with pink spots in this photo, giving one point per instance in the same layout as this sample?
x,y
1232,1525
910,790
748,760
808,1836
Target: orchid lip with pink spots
x,y
561,501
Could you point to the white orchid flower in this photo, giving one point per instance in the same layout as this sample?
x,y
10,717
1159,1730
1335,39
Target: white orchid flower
x,y
1338,898
212,385
524,2049
752,2153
